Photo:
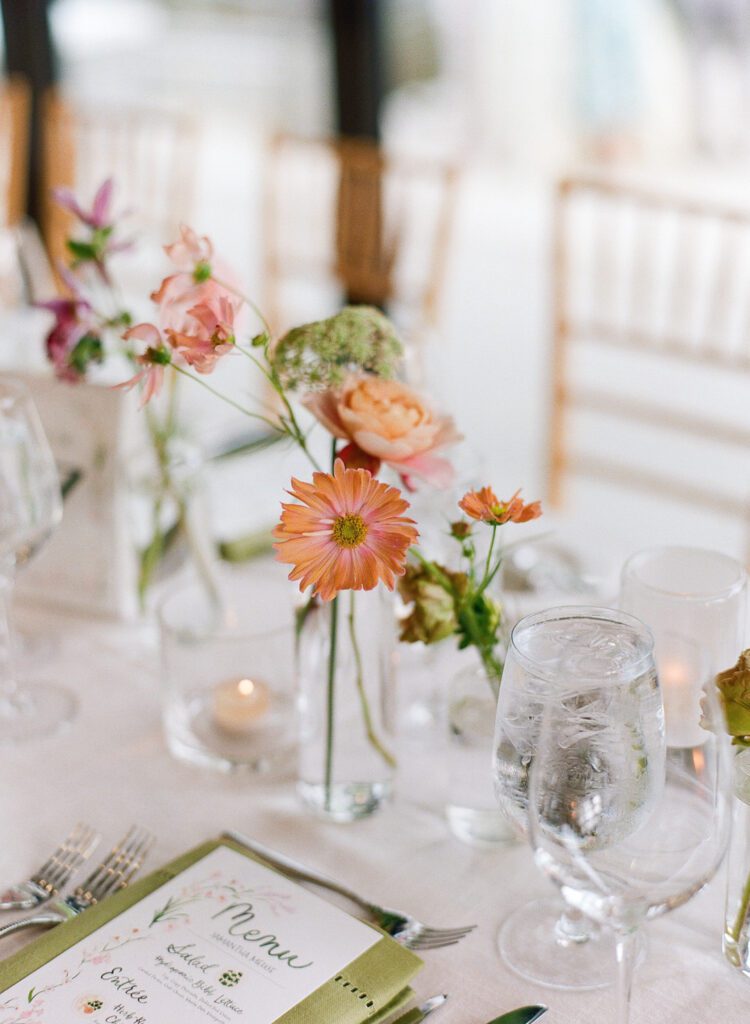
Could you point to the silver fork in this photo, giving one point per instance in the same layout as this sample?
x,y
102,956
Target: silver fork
x,y
54,874
114,873
404,928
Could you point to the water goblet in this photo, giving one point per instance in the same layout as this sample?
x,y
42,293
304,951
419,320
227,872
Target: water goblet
x,y
30,509
545,941
625,832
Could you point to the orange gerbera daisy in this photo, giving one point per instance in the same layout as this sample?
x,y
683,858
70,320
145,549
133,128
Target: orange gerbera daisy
x,y
348,533
486,506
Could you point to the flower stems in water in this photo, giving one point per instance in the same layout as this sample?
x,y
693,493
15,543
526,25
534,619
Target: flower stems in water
x,y
330,702
331,687
366,713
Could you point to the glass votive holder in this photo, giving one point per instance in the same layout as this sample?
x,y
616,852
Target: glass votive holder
x,y
228,689
695,603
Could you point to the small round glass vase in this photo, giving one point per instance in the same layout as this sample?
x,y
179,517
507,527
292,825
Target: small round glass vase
x,y
736,942
227,689
470,804
345,661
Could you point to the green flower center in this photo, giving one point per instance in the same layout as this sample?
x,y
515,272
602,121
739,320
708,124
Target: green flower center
x,y
201,271
349,531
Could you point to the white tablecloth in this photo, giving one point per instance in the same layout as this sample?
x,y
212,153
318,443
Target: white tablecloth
x,y
111,768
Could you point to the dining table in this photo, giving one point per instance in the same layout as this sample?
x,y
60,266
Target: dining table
x,y
111,767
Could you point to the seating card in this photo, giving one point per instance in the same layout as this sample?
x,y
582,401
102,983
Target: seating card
x,y
226,939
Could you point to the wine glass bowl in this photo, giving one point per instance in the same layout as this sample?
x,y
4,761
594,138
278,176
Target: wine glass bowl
x,y
30,509
30,498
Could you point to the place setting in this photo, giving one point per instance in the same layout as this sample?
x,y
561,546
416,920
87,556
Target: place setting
x,y
204,940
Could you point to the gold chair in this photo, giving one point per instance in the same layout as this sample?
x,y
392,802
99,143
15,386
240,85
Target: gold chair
x,y
651,353
15,102
149,153
344,218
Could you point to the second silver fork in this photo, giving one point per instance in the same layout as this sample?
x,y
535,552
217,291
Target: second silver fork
x,y
404,928
114,873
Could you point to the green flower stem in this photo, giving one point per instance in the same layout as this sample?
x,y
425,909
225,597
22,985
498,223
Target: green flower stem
x,y
366,714
434,571
249,301
330,706
487,575
229,401
742,914
290,424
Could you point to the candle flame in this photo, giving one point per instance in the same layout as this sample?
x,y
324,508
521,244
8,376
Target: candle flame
x,y
246,687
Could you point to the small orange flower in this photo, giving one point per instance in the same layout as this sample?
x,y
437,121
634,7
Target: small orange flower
x,y
348,533
486,506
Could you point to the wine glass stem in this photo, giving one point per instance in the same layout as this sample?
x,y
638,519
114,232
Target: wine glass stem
x,y
574,928
627,953
8,684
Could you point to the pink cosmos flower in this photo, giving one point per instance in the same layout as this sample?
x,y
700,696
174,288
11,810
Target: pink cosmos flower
x,y
213,336
153,360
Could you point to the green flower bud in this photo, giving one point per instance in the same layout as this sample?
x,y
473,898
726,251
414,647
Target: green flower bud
x,y
433,614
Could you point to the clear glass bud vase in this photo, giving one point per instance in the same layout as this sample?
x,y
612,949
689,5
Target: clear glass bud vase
x,y
170,520
471,807
737,919
345,661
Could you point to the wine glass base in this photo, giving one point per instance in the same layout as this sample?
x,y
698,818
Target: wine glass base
x,y
35,710
528,943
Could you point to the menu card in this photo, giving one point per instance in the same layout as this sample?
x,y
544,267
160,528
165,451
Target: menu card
x,y
217,937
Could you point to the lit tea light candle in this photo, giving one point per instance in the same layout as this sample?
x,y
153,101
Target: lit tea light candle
x,y
240,705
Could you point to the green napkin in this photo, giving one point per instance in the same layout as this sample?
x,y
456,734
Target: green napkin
x,y
379,976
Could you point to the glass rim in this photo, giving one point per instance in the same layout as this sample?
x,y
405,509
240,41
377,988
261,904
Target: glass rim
x,y
218,632
592,612
629,572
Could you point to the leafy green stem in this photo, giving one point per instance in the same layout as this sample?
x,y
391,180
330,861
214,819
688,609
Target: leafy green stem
x,y
487,576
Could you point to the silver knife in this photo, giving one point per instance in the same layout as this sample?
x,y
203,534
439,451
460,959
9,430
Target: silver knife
x,y
523,1015
420,1012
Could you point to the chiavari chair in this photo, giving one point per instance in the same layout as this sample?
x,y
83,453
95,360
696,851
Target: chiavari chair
x,y
346,220
651,349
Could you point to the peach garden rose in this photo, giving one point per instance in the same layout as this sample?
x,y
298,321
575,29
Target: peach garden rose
x,y
389,422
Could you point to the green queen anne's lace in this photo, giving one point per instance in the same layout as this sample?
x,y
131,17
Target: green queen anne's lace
x,y
321,354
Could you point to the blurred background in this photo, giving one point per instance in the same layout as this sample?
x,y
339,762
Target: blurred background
x,y
549,198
